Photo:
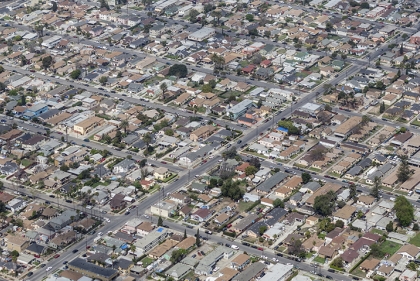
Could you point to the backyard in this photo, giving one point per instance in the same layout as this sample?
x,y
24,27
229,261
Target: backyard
x,y
390,247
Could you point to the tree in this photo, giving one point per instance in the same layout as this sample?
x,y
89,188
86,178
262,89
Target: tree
x,y
404,171
376,251
262,229
376,187
163,87
185,233
207,88
254,161
54,6
404,211
124,125
278,203
249,17
64,168
339,223
75,74
231,153
416,227
232,190
250,170
160,221
147,138
353,191
318,154
197,238
390,226
365,120
296,249
179,70
143,163
104,4
177,255
1,69
306,177
46,62
337,262
324,204
218,61
217,14
193,15
103,80
382,108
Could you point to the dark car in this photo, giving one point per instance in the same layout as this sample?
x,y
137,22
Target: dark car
x,y
86,140
245,243
43,265
127,213
279,254
331,270
30,273
356,278
52,196
75,251
47,202
69,201
320,274
65,262
239,141
227,245
328,277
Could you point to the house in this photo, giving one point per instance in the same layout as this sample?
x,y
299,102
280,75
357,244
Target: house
x,y
345,214
64,219
17,243
239,109
117,202
161,173
240,262
202,215
202,132
124,166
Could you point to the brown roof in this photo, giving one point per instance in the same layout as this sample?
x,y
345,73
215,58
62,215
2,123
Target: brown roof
x,y
241,259
186,243
326,251
11,134
146,226
49,212
6,197
346,212
294,182
72,275
370,264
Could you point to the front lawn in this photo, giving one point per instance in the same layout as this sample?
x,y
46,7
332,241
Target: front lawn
x,y
318,259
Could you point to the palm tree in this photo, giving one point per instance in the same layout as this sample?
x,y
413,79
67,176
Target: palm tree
x,y
147,138
217,14
124,125
163,87
133,248
218,61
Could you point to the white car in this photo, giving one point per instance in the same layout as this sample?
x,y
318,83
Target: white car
x,y
48,268
100,234
107,220
235,247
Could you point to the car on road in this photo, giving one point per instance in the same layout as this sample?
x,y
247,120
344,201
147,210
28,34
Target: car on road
x,y
235,247
127,213
48,268
75,251
56,256
47,202
328,277
3,121
65,262
42,265
69,201
100,234
30,273
52,196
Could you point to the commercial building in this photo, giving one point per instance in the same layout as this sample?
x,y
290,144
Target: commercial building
x,y
163,209
91,270
346,128
207,263
17,243
278,272
202,34
152,239
35,110
240,109
88,125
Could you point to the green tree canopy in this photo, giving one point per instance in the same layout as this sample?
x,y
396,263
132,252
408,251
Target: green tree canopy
x,y
324,204
179,70
404,211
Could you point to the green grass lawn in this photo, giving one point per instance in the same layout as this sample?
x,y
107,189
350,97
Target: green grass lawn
x,y
390,247
244,205
26,162
415,122
318,259
147,261
416,240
